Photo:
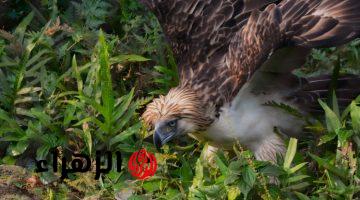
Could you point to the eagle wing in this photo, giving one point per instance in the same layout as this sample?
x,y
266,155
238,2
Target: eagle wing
x,y
219,44
300,23
199,30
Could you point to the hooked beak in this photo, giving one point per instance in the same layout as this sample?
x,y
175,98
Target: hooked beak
x,y
161,138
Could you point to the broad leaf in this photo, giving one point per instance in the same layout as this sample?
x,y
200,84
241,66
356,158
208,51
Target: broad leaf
x,y
297,168
290,154
332,120
355,117
125,134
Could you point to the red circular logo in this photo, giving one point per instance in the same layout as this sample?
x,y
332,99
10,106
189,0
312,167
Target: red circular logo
x,y
142,164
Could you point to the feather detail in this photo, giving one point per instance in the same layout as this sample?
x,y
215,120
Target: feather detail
x,y
318,87
300,23
199,31
316,23
179,102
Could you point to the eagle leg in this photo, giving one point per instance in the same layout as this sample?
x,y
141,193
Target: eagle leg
x,y
270,148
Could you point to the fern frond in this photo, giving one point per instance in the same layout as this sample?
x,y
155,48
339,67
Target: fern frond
x,y
94,12
288,109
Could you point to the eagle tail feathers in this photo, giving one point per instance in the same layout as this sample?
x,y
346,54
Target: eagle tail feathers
x,y
318,87
320,23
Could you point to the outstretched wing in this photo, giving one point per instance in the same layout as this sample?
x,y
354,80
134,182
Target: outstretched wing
x,y
199,30
218,44
302,23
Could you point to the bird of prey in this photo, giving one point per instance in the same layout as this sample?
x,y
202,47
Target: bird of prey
x,y
234,56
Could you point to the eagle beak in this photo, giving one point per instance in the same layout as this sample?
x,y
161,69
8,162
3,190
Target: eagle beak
x,y
158,140
162,138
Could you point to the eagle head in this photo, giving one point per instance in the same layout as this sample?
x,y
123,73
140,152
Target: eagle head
x,y
178,113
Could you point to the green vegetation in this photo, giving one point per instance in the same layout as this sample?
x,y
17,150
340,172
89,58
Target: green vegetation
x,y
75,75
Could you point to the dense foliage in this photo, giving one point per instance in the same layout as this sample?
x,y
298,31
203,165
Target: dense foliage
x,y
75,75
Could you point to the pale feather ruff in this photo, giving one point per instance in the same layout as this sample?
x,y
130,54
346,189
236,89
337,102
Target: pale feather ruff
x,y
180,103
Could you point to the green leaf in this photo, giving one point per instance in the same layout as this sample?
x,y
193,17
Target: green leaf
x,y
18,148
27,100
272,170
244,188
355,117
94,104
125,134
152,186
297,168
21,28
43,117
235,166
11,122
124,105
344,135
335,105
222,166
327,138
36,57
297,178
290,154
107,95
301,196
165,70
28,90
100,124
332,120
129,58
329,167
126,118
249,176
199,174
9,160
43,151
87,137
20,74
357,100
186,173
172,193
69,115
80,84
298,187
233,193
345,113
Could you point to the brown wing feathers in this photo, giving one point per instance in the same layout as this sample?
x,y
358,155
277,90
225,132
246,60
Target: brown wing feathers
x,y
197,29
316,23
191,23
317,87
304,23
252,45
218,47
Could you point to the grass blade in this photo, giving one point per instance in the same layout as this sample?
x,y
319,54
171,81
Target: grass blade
x,y
107,95
77,75
332,120
290,154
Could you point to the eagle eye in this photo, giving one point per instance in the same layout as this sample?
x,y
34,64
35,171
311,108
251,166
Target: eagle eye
x,y
172,123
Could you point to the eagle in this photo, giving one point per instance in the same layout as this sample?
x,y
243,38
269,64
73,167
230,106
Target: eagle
x,y
235,56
